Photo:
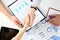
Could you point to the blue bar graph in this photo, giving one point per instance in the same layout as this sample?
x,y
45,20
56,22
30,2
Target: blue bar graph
x,y
22,6
55,37
17,10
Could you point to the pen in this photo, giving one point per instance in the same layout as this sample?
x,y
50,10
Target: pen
x,y
50,17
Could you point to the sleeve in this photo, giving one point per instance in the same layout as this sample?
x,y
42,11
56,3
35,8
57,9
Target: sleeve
x,y
36,3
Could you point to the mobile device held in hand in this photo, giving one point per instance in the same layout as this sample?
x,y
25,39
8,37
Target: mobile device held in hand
x,y
7,33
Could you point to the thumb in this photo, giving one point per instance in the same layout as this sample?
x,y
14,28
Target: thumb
x,y
27,20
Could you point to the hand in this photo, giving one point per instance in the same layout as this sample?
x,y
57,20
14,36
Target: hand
x,y
56,20
27,21
16,21
21,32
32,15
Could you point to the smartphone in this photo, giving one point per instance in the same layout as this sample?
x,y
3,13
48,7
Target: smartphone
x,y
8,33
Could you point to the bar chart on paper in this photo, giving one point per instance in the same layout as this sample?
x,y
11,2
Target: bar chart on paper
x,y
19,8
40,32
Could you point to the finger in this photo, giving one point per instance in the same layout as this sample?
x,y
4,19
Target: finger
x,y
17,20
18,23
31,19
54,23
27,21
24,20
51,20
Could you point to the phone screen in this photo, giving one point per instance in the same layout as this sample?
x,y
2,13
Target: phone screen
x,y
8,33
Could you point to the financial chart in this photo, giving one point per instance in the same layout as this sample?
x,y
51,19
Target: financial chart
x,y
21,8
40,31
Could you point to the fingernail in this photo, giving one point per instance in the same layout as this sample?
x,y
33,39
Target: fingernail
x,y
21,25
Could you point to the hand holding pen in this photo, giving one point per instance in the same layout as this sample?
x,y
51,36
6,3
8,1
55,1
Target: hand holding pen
x,y
54,19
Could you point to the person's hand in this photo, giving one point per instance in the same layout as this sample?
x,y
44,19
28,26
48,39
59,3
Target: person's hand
x,y
16,21
56,20
32,15
27,21
21,31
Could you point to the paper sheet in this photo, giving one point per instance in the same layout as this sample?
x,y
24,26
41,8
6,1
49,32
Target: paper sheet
x,y
21,8
42,31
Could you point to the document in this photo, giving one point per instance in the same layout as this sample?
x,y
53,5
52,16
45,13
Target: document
x,y
21,8
42,30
